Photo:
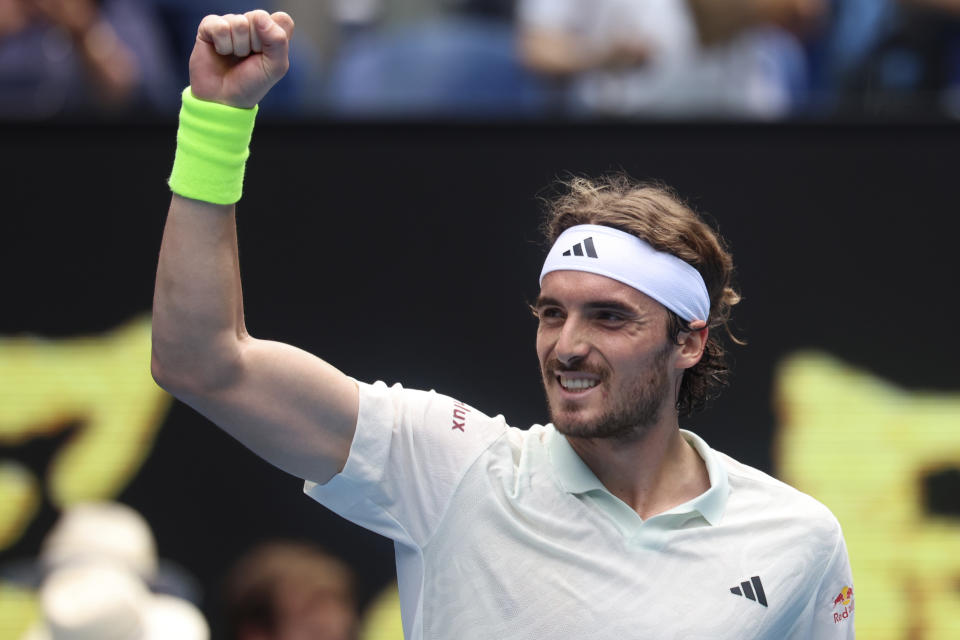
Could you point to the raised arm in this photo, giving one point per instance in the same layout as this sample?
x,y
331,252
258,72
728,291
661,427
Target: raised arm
x,y
288,406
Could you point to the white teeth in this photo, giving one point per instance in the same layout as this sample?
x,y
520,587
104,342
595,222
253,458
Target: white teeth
x,y
577,383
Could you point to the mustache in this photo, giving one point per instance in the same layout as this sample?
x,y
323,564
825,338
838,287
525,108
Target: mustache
x,y
554,367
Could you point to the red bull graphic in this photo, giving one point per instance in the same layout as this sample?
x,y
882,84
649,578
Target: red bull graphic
x,y
844,599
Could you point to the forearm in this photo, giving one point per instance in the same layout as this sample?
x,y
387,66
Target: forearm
x,y
290,407
198,306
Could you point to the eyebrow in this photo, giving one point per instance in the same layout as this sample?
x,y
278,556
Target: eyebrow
x,y
546,301
613,305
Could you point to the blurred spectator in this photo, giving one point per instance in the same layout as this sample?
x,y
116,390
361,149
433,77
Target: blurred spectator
x,y
448,59
477,59
670,57
325,24
96,568
316,27
101,531
114,533
109,602
290,591
68,56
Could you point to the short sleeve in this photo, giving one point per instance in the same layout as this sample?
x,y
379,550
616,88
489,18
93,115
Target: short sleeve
x,y
830,613
410,451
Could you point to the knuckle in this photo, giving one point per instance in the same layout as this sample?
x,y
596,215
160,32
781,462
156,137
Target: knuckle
x,y
216,24
209,23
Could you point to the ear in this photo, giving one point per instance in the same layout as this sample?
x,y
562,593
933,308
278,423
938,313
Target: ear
x,y
692,345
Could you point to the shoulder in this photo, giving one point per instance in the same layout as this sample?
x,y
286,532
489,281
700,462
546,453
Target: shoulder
x,y
798,535
758,495
426,418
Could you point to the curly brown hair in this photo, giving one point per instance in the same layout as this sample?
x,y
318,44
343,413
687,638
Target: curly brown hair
x,y
655,213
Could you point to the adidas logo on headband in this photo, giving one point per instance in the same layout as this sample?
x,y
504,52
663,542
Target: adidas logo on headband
x,y
626,258
577,249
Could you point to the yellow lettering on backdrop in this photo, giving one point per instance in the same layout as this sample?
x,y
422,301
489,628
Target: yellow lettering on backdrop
x,y
103,386
863,447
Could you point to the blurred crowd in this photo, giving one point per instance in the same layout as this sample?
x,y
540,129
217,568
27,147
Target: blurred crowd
x,y
489,59
100,576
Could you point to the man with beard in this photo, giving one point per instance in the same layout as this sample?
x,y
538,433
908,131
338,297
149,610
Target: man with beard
x,y
610,522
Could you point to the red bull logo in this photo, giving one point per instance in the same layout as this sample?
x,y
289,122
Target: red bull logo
x,y
845,599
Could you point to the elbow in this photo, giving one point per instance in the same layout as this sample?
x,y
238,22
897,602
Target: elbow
x,y
184,371
173,378
165,377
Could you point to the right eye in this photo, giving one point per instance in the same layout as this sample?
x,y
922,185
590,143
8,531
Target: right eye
x,y
549,313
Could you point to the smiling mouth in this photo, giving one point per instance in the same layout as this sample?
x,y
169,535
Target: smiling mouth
x,y
576,384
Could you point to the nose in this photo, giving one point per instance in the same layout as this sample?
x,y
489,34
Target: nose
x,y
571,346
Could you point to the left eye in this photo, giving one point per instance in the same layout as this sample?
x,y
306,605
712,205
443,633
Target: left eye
x,y
610,317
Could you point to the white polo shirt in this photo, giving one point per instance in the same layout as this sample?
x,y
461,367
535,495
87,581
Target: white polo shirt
x,y
505,534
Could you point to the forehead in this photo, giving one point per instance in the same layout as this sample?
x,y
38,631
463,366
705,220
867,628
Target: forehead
x,y
573,288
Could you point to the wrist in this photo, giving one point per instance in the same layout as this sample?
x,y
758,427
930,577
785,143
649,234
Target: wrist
x,y
212,149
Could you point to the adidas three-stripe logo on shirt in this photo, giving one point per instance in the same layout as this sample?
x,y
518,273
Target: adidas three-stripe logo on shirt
x,y
752,590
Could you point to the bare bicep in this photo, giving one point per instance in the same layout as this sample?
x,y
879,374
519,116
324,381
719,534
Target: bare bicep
x,y
288,406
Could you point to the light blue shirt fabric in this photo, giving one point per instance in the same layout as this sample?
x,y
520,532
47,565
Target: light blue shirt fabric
x,y
577,478
505,533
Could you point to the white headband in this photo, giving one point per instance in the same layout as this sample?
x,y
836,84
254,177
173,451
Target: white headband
x,y
626,258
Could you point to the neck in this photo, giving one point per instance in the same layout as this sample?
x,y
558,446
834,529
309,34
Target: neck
x,y
652,474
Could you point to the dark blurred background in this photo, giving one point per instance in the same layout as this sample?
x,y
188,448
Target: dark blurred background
x,y
389,225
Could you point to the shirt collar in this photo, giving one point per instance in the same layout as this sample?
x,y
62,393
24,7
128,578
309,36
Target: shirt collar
x,y
576,477
571,471
712,502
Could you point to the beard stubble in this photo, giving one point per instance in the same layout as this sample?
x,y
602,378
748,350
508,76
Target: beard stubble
x,y
630,416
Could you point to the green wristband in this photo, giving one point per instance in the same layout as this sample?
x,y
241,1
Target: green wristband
x,y
212,147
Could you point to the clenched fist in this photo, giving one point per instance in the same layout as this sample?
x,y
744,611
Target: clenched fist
x,y
237,58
